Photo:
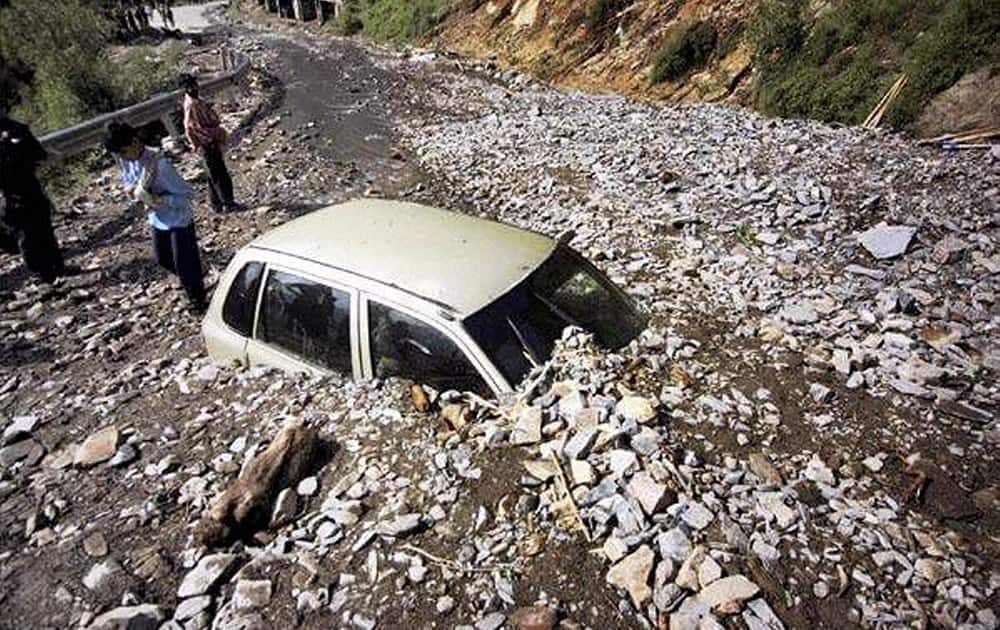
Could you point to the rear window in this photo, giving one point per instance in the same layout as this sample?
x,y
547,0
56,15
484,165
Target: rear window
x,y
238,309
308,319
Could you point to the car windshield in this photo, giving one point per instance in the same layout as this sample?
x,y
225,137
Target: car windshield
x,y
519,330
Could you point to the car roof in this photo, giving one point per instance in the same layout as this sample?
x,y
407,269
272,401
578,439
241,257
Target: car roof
x,y
456,260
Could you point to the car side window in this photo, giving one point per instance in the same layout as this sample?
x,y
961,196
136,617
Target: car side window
x,y
241,302
308,319
406,347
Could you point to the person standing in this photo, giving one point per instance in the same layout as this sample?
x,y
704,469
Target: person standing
x,y
205,133
155,183
25,209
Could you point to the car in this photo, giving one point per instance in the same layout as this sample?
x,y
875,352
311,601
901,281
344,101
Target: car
x,y
377,289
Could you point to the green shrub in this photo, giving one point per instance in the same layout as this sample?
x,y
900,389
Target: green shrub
x,y
348,21
777,30
402,20
64,44
858,49
687,46
147,70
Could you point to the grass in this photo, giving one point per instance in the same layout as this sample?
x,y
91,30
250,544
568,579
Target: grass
x,y
837,68
398,21
688,45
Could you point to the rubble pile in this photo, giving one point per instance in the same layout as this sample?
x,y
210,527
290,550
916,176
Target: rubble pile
x,y
691,540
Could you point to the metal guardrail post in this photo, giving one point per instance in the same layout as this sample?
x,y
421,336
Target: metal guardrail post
x,y
68,142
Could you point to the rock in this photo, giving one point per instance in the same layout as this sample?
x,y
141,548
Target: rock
x,y
492,621
192,607
987,499
444,605
400,526
771,505
697,515
615,549
286,506
709,571
209,571
100,575
125,454
142,617
252,593
17,451
533,618
687,575
818,472
635,408
728,594
632,575
674,544
528,428
579,445
948,250
820,393
19,428
95,545
885,241
99,447
622,462
760,466
650,494
307,487
932,570
800,313
873,463
581,472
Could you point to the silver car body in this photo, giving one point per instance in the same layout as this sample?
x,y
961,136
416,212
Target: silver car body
x,y
431,264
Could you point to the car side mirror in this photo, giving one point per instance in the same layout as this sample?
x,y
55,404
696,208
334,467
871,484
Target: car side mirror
x,y
566,237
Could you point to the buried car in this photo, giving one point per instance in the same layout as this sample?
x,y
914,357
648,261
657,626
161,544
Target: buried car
x,y
377,289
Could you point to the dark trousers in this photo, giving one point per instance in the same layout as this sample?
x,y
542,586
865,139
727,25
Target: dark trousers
x,y
220,183
36,239
176,250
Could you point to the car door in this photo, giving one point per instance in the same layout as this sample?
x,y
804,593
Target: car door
x,y
398,342
305,324
228,327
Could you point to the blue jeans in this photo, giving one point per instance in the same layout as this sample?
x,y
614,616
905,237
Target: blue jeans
x,y
176,250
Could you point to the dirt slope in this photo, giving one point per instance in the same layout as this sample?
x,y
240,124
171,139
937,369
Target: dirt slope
x,y
562,41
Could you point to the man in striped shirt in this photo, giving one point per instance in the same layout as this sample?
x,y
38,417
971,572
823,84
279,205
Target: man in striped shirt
x,y
205,133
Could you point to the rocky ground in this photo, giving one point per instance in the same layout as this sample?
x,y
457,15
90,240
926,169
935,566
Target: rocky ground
x,y
805,436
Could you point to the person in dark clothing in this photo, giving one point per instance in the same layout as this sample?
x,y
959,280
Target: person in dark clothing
x,y
153,182
25,209
205,133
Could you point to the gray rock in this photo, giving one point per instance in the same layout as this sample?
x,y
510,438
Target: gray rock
x,y
100,575
252,594
674,544
209,571
578,447
401,525
142,617
19,429
125,454
885,241
492,621
528,428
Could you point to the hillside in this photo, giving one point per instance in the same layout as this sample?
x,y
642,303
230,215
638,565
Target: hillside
x,y
828,60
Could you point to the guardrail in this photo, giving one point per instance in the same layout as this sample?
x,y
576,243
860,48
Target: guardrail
x,y
67,142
